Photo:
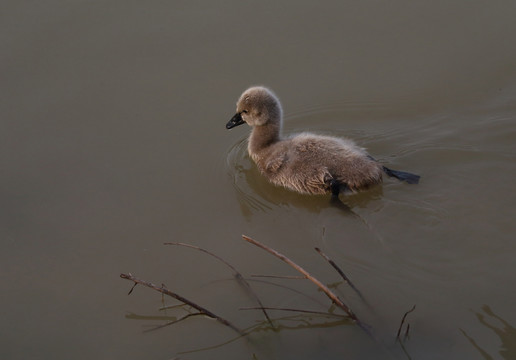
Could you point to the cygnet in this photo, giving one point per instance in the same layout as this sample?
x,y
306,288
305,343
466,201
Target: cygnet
x,y
305,162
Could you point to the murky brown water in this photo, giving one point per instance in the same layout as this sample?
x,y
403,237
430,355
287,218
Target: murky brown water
x,y
113,142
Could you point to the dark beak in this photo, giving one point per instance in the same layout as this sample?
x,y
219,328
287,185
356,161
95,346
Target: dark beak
x,y
235,121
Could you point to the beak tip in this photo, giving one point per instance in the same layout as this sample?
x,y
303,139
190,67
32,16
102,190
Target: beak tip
x,y
235,121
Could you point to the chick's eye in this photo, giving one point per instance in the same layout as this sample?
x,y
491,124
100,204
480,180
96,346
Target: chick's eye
x,y
244,111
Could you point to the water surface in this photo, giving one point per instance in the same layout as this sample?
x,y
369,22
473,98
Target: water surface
x,y
113,142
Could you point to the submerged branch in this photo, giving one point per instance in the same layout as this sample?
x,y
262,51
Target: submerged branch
x,y
162,289
204,251
298,310
401,324
334,298
173,322
237,274
279,277
341,273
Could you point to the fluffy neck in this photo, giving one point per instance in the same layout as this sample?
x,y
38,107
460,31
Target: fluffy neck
x,y
264,136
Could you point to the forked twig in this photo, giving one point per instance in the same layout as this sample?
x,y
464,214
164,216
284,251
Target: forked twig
x,y
401,324
334,298
178,297
237,274
341,273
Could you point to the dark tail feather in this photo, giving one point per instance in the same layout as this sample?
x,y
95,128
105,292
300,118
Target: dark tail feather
x,y
402,175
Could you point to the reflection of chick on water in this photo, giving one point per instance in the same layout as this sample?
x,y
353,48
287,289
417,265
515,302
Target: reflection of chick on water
x,y
306,163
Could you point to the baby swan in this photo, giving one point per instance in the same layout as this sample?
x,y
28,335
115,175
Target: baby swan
x,y
306,163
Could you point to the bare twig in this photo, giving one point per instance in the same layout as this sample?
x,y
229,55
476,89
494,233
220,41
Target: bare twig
x,y
407,331
298,310
291,289
132,288
168,307
149,317
173,322
279,277
402,321
178,297
263,327
237,274
204,251
341,273
334,298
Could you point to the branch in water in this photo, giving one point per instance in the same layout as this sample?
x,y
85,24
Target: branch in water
x,y
237,274
162,289
279,277
341,273
401,324
297,310
334,298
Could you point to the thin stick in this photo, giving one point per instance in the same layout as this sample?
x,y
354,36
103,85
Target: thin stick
x,y
341,273
204,251
173,322
407,331
132,288
300,293
279,277
168,307
178,297
237,274
403,320
297,310
334,298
